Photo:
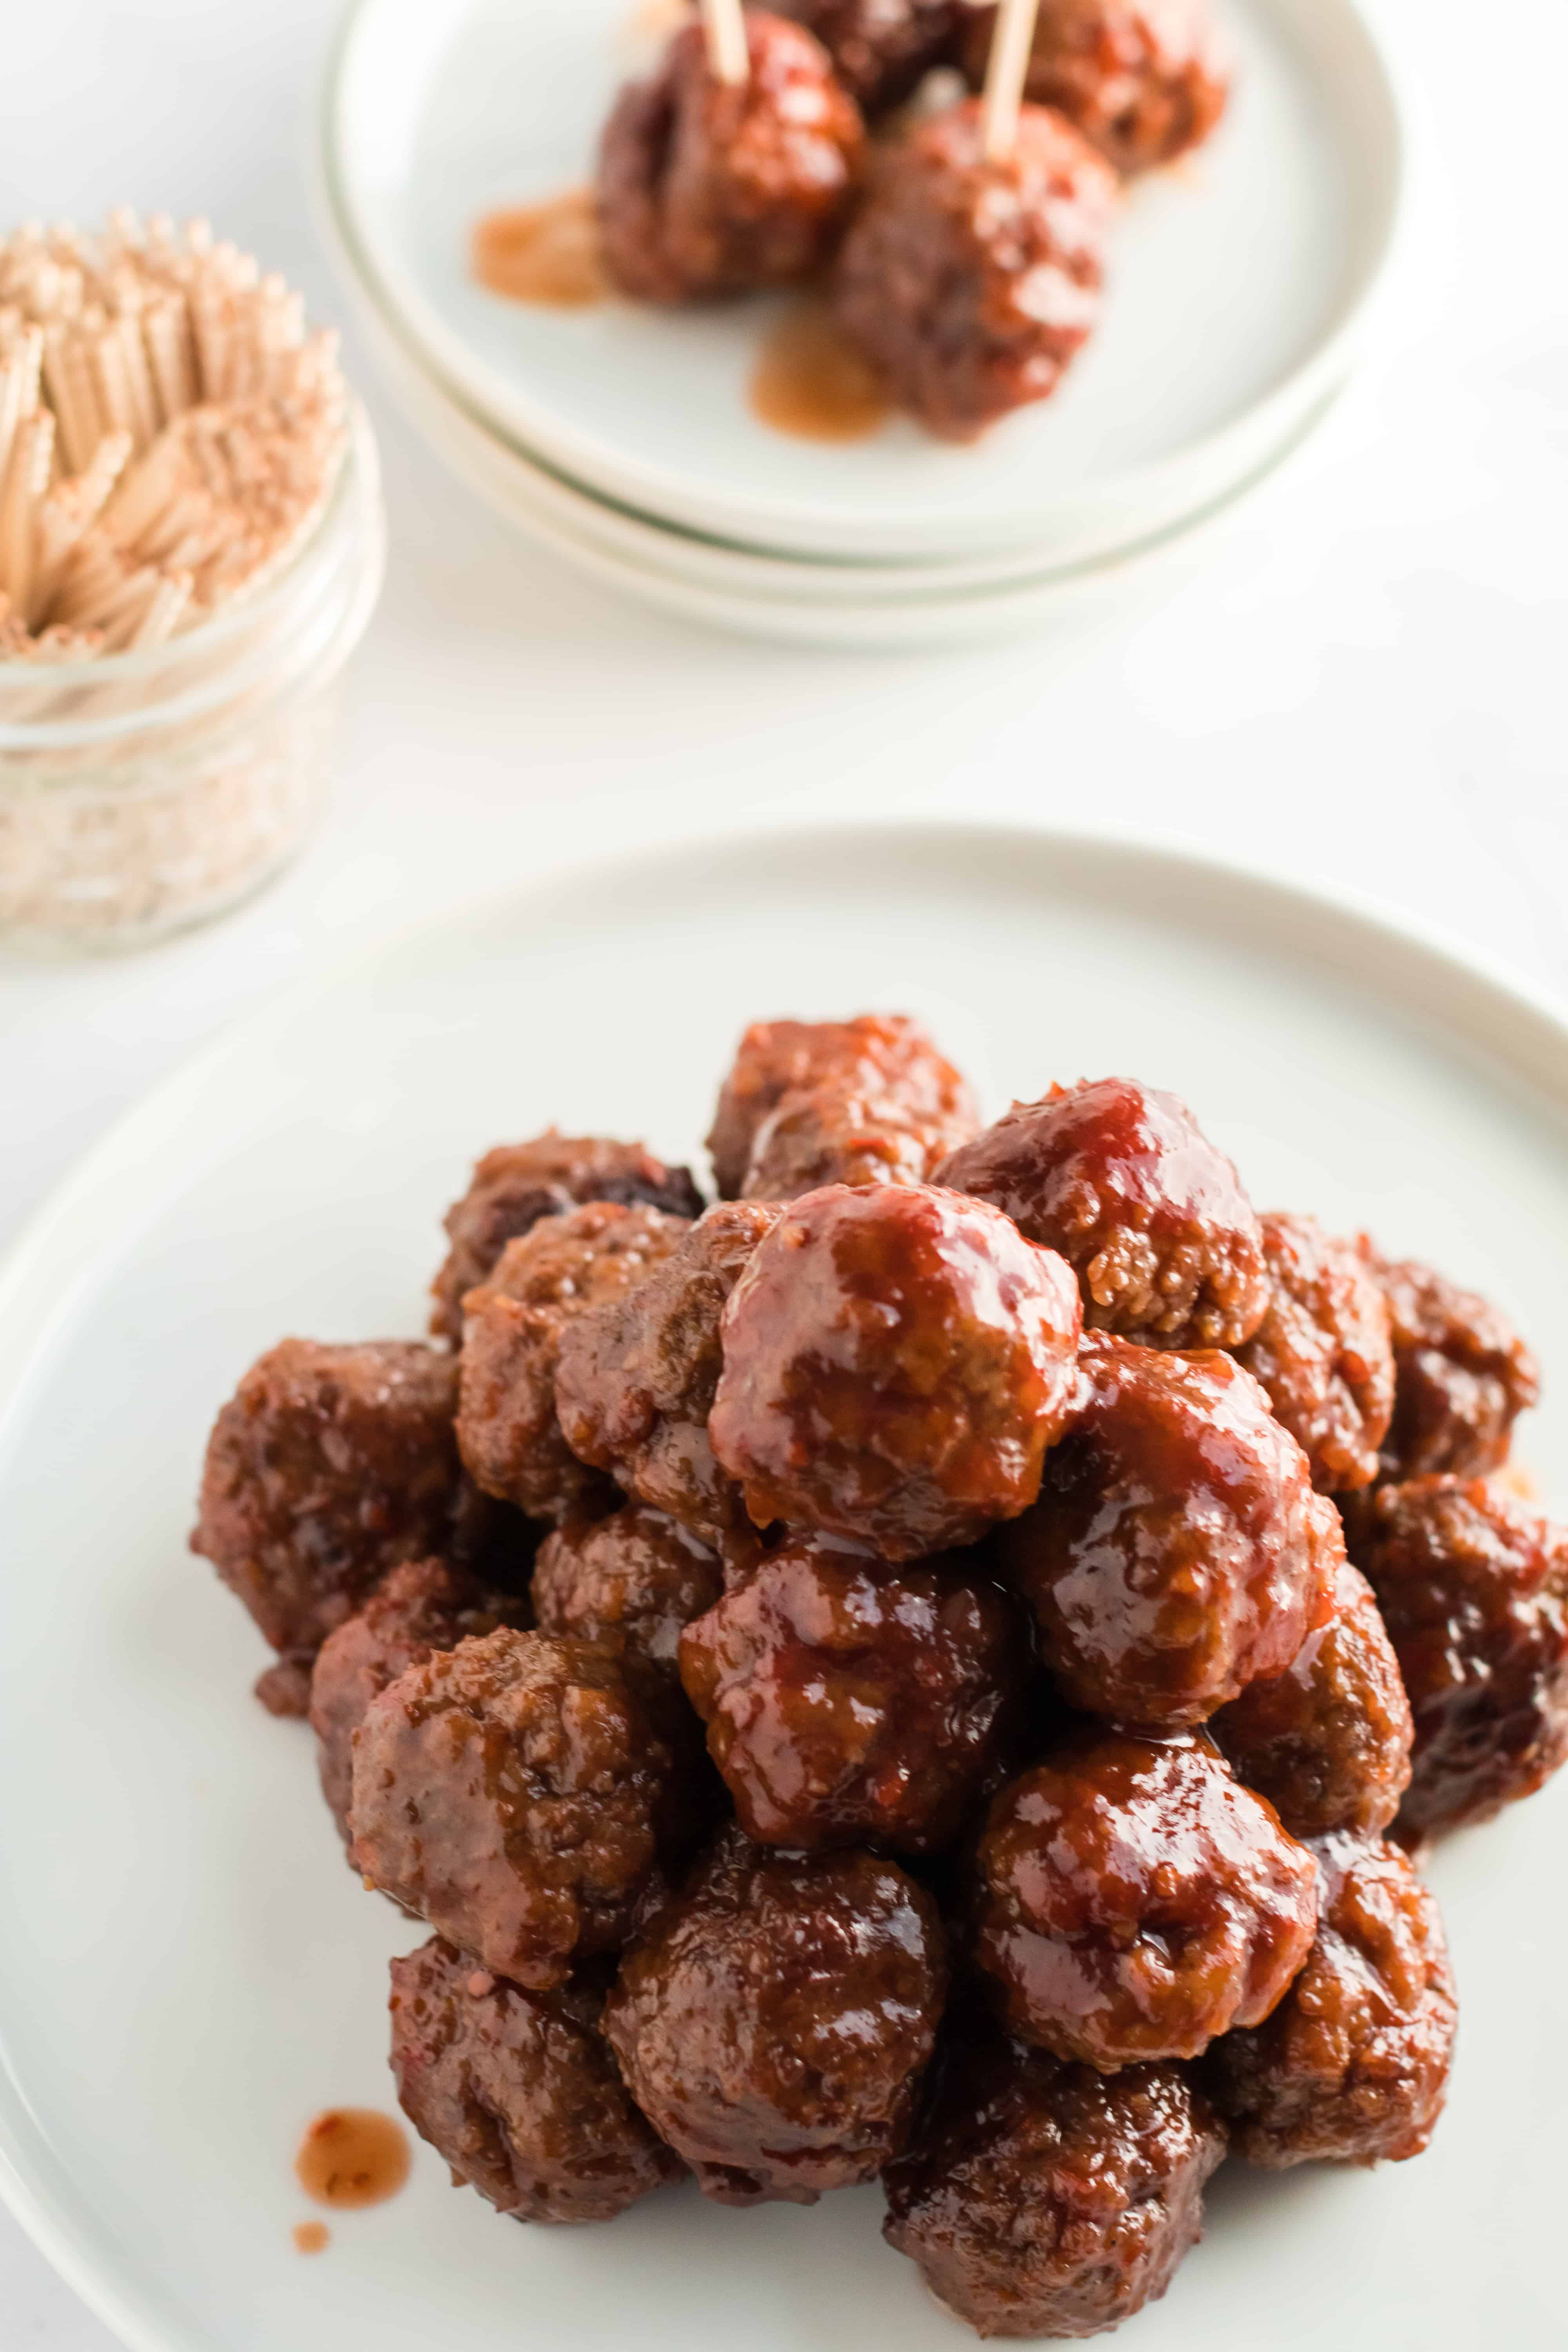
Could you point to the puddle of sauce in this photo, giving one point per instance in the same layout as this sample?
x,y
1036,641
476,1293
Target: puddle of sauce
x,y
352,2156
311,2237
811,383
546,253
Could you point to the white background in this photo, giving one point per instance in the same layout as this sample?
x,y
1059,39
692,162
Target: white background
x,y
1363,683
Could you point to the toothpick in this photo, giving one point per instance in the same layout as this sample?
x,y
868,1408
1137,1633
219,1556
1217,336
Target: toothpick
x,y
1006,69
729,55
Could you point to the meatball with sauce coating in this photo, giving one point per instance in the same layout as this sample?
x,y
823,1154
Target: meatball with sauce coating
x,y
1177,1549
708,188
897,1361
1352,2067
1462,1374
773,2021
1144,80
1136,1901
519,1792
880,48
517,2092
631,1580
1323,1351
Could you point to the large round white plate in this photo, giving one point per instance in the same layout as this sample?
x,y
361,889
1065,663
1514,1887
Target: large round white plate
x,y
188,1970
1239,286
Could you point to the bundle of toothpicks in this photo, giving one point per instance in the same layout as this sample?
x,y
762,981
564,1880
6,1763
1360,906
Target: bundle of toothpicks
x,y
170,433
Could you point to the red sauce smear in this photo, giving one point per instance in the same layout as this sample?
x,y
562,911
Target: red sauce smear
x,y
810,382
352,2156
547,253
311,2237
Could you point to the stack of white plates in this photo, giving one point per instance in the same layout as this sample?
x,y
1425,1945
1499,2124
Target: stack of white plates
x,y
622,437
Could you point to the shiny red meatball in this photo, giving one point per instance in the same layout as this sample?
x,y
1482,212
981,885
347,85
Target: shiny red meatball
x,y
634,1580
895,1363
1144,80
1323,1351
880,48
1177,1549
1135,1901
1462,1374
808,1103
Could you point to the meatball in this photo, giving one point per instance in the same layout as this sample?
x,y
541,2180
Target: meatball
x,y
1142,80
1120,1179
1328,1741
708,187
1354,2064
880,48
1177,1549
774,2022
1462,1375
512,1328
969,282
517,2092
518,1792
636,1378
328,1467
808,1103
631,1580
850,1703
422,1607
1135,1901
895,1363
1323,1351
517,1183
1042,2198
1474,1591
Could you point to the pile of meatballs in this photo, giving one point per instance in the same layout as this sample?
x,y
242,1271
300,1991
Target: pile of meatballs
x,y
968,282
941,1665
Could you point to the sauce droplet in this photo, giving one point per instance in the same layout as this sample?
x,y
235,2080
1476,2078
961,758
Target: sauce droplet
x,y
545,252
352,2156
311,2237
811,381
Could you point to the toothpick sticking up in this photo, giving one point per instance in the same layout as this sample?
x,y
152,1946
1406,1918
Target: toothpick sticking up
x,y
1004,71
728,57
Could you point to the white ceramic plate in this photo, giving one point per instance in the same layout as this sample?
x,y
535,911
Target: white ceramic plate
x,y
1240,283
187,1971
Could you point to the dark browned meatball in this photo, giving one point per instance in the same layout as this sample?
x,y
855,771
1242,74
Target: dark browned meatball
x,y
880,48
1323,1351
1142,80
773,2024
708,188
1474,1591
1042,2198
1121,1179
636,1379
1177,1549
517,1183
512,1328
1135,1901
1328,1741
631,1580
808,1103
850,1703
1354,2064
895,1363
518,1792
517,2092
1462,1374
327,1467
971,282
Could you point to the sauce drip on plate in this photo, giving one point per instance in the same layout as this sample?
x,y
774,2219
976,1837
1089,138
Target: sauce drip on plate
x,y
810,382
311,2237
546,253
351,2157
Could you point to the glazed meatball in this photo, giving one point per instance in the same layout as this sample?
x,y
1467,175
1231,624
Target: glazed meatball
x,y
517,1183
1142,80
512,1328
808,1103
631,1580
1462,1375
971,282
517,2092
1323,1351
518,1792
709,188
1042,2198
425,1606
1328,1741
1120,1179
1354,2064
774,2022
848,1703
1135,1900
636,1378
1177,1549
327,1467
880,48
895,1363
1474,1591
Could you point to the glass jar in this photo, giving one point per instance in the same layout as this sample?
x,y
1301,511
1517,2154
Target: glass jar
x,y
144,792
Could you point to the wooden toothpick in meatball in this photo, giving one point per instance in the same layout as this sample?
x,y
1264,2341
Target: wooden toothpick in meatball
x,y
880,48
1462,1374
1144,80
634,1580
1323,1351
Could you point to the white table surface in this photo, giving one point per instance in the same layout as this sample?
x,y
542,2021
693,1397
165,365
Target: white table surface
x,y
1363,684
